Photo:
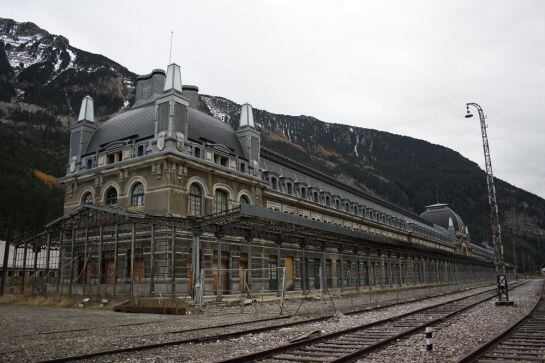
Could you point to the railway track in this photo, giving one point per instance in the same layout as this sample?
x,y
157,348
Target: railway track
x,y
240,323
523,341
350,344
235,334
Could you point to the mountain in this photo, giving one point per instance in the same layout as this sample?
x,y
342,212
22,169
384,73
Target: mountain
x,y
42,81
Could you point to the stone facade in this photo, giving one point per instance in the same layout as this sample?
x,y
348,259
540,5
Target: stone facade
x,y
163,157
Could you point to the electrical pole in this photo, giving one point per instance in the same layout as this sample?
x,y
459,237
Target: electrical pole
x,y
503,291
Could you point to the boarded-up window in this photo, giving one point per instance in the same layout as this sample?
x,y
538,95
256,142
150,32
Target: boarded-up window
x,y
108,267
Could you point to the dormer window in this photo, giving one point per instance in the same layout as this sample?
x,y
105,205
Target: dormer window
x,y
274,183
114,157
289,188
89,164
327,200
221,160
337,204
304,193
197,152
347,207
140,150
315,197
242,167
356,210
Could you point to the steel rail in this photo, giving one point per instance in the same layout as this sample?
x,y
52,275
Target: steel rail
x,y
231,335
270,353
492,343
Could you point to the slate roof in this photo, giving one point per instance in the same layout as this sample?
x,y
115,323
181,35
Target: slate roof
x,y
383,206
440,213
139,123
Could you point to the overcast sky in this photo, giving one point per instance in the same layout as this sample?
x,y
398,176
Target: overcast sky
x,y
406,67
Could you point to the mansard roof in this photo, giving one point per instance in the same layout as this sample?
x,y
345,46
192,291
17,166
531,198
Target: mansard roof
x,y
139,123
284,166
440,213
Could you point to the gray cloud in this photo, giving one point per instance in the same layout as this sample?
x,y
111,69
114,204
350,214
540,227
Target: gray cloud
x,y
399,66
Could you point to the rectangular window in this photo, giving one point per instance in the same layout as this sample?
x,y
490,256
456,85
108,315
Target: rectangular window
x,y
197,152
111,158
140,150
221,160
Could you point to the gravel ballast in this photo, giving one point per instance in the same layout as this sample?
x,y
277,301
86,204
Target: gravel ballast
x,y
462,334
93,331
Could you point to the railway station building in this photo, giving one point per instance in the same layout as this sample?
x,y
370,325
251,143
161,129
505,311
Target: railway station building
x,y
163,196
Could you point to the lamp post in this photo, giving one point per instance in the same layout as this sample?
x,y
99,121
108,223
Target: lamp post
x,y
503,291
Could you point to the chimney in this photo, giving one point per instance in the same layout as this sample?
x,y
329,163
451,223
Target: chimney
x,y
87,111
174,79
246,116
149,87
249,138
191,93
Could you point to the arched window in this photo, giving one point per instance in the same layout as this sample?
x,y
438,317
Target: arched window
x,y
337,204
195,200
87,198
244,199
304,193
137,194
220,201
111,196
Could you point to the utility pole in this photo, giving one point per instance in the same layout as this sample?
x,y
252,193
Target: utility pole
x,y
503,290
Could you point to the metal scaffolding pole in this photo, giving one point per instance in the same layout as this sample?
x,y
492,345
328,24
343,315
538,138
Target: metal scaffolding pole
x,y
152,260
47,259
72,261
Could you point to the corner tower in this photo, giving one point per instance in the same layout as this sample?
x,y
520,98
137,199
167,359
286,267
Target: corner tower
x,y
249,137
171,113
80,133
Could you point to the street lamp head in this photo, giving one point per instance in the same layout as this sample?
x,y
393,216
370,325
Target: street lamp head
x,y
468,113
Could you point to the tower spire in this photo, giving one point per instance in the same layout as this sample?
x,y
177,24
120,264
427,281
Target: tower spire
x,y
170,55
